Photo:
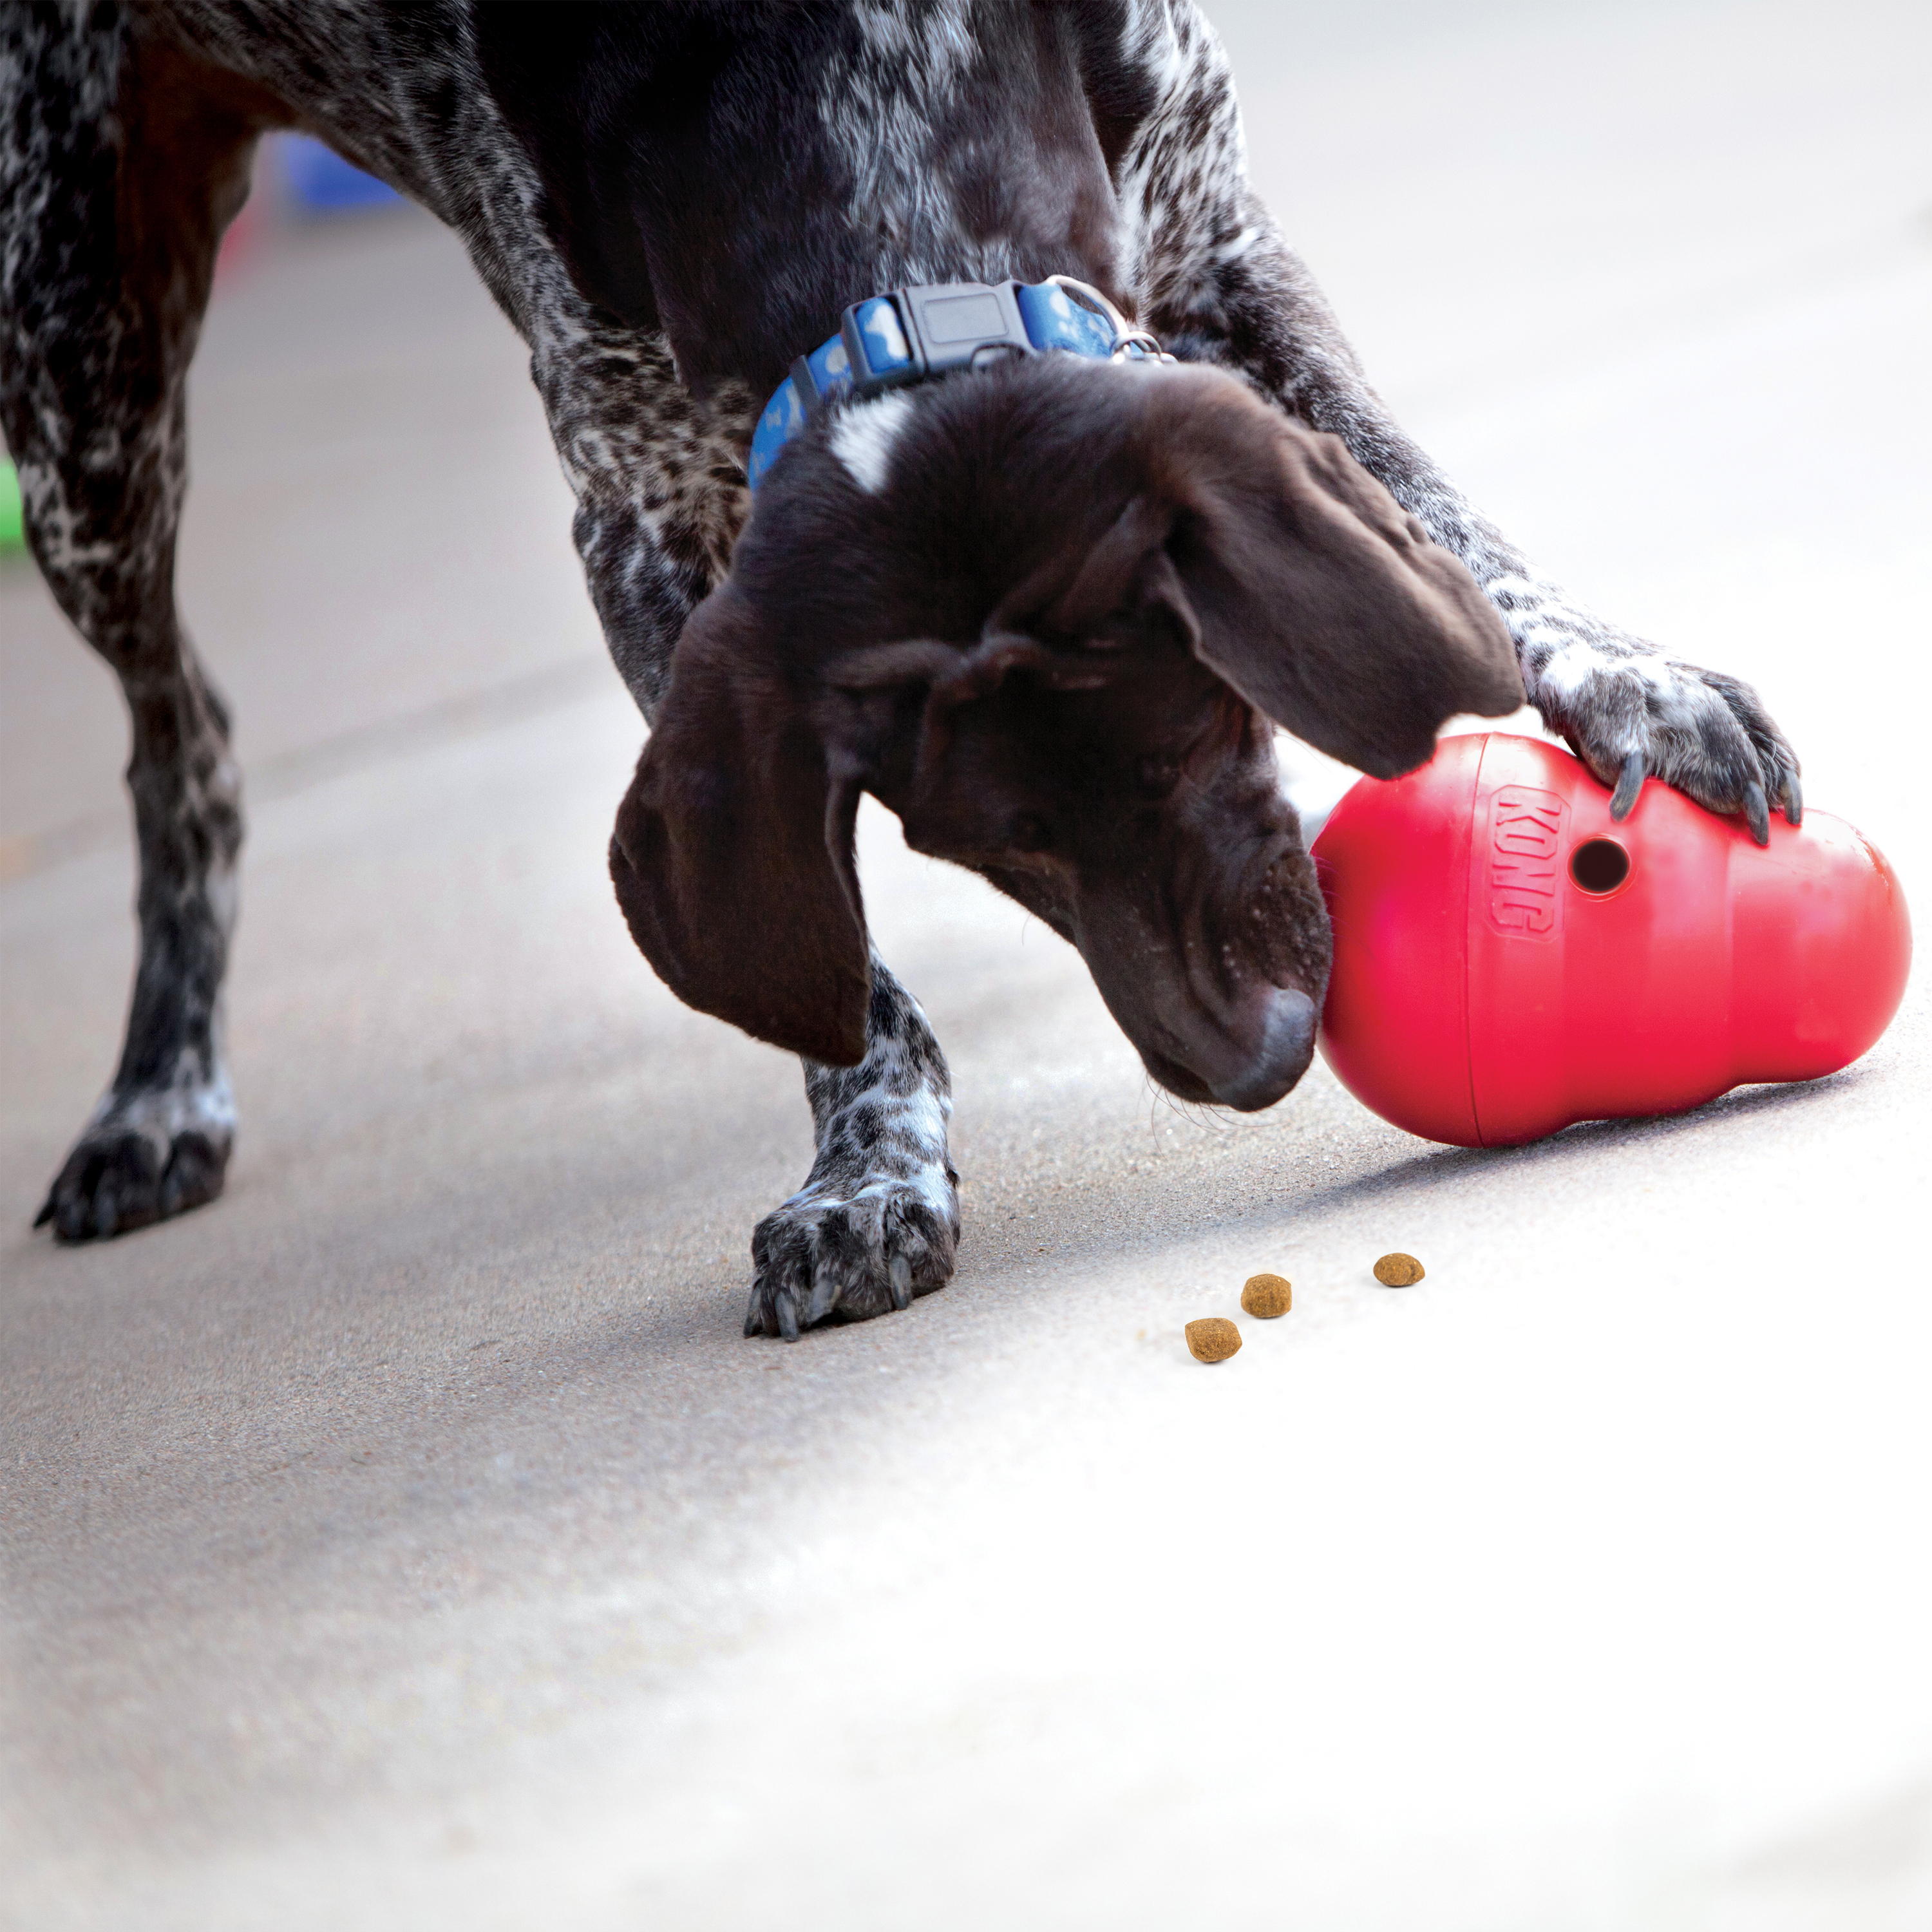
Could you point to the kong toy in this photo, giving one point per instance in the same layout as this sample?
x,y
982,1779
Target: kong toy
x,y
1508,960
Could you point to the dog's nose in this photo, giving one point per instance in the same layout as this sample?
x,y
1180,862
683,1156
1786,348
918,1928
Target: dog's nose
x,y
1287,1046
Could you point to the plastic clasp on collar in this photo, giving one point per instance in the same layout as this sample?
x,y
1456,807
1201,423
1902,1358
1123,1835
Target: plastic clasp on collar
x,y
953,325
911,334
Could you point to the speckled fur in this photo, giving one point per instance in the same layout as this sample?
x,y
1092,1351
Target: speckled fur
x,y
95,356
877,1219
1215,279
97,346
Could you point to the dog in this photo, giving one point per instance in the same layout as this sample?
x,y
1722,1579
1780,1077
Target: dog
x,y
1049,608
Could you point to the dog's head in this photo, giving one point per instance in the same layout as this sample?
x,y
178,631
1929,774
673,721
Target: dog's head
x,y
1049,615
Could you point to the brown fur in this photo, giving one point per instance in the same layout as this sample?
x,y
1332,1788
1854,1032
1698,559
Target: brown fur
x,y
1070,689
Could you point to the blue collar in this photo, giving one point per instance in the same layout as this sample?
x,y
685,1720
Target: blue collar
x,y
912,333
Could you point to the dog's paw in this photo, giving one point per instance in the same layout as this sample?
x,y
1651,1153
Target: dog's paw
x,y
1630,713
825,1257
119,1179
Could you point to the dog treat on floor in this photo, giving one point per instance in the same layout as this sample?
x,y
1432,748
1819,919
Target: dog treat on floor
x,y
1212,1339
1268,1295
1398,1270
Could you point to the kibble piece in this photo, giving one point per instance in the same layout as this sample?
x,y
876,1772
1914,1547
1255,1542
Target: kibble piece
x,y
1398,1270
1212,1339
1268,1295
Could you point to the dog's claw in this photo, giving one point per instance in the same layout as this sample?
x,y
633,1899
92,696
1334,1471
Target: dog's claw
x,y
1757,813
1630,785
1794,799
824,1295
900,1274
787,1314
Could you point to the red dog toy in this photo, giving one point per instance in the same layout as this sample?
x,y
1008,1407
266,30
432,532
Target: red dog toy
x,y
1508,960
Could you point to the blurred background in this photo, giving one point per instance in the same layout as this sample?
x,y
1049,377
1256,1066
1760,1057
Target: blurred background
x,y
410,1540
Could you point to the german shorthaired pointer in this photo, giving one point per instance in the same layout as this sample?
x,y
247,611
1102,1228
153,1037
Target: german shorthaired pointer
x,y
1048,608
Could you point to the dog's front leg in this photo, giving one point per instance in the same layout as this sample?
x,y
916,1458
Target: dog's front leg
x,y
658,478
1628,708
877,1219
1214,279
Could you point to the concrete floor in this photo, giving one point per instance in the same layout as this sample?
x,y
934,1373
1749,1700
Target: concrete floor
x,y
410,1540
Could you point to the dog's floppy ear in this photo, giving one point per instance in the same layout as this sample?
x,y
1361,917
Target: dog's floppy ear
x,y
1127,584
733,854
1323,602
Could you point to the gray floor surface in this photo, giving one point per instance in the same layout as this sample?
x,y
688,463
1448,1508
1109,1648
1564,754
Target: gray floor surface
x,y
411,1540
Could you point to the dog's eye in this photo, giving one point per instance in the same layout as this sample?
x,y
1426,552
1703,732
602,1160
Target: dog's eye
x,y
1030,833
1156,776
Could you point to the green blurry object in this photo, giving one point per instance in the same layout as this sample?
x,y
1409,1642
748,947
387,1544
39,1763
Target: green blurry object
x,y
13,531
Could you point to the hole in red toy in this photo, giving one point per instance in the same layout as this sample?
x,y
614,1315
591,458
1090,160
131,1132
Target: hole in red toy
x,y
1600,865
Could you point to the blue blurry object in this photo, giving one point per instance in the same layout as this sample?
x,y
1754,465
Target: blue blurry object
x,y
319,181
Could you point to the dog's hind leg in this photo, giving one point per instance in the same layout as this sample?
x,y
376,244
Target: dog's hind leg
x,y
877,1219
120,162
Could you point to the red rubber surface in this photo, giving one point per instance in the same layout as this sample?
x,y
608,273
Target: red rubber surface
x,y
1481,996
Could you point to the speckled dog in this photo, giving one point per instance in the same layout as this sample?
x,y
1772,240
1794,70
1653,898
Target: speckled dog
x,y
1049,613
